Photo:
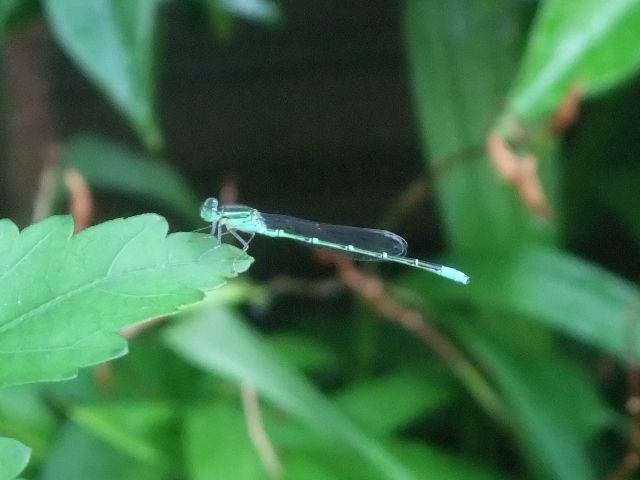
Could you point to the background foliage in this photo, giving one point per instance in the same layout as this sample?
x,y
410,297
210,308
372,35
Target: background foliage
x,y
498,136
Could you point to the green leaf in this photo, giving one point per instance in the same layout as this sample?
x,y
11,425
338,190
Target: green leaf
x,y
403,396
14,457
554,405
25,415
63,296
134,428
78,455
458,81
112,166
589,42
217,341
256,10
555,288
302,351
112,42
13,13
434,463
217,444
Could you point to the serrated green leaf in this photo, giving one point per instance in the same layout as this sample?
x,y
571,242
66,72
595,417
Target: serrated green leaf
x,y
587,42
112,42
218,342
63,296
113,166
14,457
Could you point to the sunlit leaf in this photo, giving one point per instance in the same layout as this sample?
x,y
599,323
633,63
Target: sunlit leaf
x,y
63,296
589,43
458,83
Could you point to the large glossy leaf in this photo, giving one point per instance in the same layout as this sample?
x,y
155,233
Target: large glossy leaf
x,y
217,341
555,288
13,458
112,42
554,406
589,43
63,296
459,81
112,166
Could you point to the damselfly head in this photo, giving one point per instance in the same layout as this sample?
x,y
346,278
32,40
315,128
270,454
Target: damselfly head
x,y
209,210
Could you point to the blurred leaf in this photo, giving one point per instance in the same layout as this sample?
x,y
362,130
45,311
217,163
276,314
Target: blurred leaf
x,y
112,166
438,464
301,466
112,42
459,83
217,341
63,297
79,456
302,351
586,42
25,415
555,288
134,428
617,188
556,410
217,444
266,11
403,396
13,13
14,457
301,449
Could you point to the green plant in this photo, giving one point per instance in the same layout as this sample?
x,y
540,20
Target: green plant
x,y
500,366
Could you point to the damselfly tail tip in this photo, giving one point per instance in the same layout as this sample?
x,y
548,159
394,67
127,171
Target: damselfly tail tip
x,y
455,275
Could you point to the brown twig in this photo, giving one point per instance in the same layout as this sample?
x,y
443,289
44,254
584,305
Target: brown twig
x,y
447,162
80,199
258,434
373,291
